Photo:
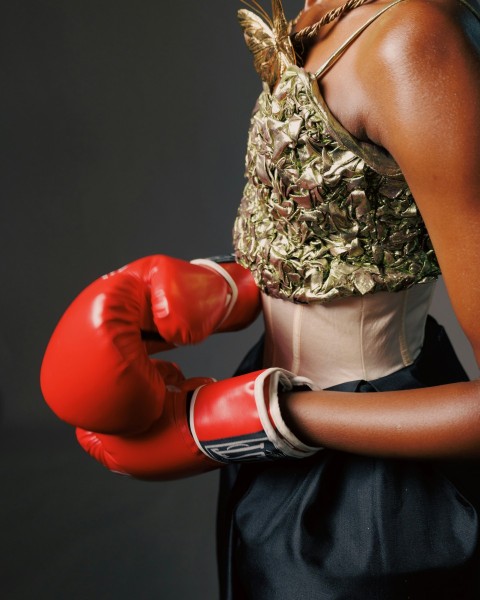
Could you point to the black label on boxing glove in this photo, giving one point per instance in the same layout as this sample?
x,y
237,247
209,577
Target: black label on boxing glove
x,y
253,447
221,258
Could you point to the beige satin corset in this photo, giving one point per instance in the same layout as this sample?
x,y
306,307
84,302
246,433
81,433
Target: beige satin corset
x,y
349,338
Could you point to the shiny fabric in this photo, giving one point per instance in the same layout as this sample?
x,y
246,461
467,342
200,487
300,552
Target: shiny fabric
x,y
342,527
323,215
375,335
327,217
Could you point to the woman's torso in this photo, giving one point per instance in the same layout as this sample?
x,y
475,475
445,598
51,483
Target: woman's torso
x,y
348,339
357,335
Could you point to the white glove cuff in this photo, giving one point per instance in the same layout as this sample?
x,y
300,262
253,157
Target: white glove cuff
x,y
232,300
269,410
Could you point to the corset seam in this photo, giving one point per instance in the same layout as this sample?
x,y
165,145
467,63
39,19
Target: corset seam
x,y
268,306
360,329
403,342
296,341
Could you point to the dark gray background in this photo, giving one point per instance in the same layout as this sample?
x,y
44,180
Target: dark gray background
x,y
123,129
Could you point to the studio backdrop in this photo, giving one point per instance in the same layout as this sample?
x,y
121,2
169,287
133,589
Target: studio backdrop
x,y
123,132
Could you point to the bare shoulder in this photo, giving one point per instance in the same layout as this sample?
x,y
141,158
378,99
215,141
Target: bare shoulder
x,y
420,32
422,56
424,108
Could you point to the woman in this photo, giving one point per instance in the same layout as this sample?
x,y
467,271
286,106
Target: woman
x,y
399,85
362,184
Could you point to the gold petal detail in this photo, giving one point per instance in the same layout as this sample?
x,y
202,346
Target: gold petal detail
x,y
271,46
316,222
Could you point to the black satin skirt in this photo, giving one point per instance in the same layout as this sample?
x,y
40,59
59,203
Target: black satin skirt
x,y
339,526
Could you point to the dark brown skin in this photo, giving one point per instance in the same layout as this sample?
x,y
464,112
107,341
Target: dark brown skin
x,y
411,84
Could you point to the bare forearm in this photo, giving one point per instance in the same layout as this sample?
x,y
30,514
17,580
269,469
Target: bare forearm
x,y
441,421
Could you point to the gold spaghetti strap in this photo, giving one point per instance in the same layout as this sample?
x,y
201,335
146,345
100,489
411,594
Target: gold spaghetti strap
x,y
338,53
474,11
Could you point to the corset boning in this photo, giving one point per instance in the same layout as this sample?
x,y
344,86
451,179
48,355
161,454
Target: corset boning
x,y
359,337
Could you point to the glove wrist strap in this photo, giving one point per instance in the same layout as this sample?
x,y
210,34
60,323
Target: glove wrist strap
x,y
232,300
270,414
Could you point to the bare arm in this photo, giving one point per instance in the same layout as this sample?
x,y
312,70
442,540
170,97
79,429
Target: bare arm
x,y
425,110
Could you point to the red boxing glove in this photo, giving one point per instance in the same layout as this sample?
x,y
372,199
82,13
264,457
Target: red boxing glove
x,y
96,373
239,419
166,450
236,420
193,300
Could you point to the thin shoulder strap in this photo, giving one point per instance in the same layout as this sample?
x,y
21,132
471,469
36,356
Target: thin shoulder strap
x,y
474,11
338,53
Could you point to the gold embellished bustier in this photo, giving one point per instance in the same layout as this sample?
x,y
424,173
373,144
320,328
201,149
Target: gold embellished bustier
x,y
323,215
